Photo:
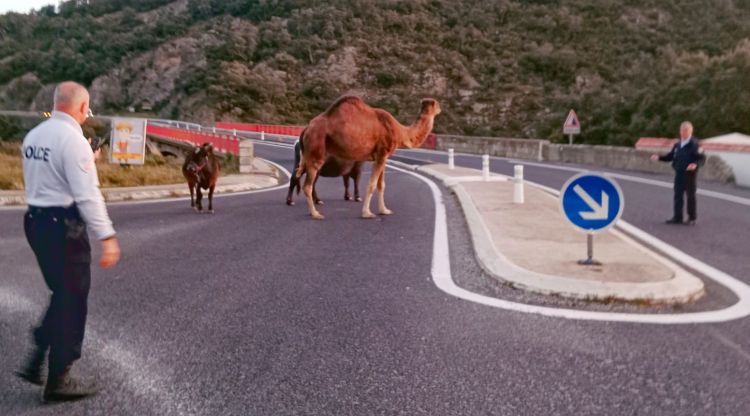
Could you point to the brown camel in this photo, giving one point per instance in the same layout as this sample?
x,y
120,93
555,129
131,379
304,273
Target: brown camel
x,y
333,167
350,129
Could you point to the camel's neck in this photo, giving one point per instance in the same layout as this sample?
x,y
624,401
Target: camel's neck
x,y
417,133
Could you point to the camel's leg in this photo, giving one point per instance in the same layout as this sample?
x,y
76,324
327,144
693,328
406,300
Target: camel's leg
x,y
381,194
377,168
198,198
311,175
315,193
211,198
346,188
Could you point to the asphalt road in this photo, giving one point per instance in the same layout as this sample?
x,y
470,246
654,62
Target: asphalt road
x,y
258,310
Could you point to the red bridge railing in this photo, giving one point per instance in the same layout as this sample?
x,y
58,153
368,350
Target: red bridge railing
x,y
223,143
430,143
265,128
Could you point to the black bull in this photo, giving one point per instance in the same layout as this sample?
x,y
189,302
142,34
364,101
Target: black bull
x,y
332,168
201,170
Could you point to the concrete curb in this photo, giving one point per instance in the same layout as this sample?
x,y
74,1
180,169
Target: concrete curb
x,y
270,178
684,287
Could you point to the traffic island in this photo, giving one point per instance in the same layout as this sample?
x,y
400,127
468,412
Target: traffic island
x,y
533,247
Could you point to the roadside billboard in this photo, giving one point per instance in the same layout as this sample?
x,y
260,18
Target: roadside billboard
x,y
128,141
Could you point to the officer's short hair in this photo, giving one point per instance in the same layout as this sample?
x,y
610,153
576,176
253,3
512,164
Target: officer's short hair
x,y
686,124
69,92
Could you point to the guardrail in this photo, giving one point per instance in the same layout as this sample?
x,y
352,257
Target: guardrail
x,y
222,142
265,128
655,143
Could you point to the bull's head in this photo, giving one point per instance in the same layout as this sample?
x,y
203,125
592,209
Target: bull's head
x,y
198,159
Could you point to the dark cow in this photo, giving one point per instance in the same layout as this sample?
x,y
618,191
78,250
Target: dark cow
x,y
201,169
332,168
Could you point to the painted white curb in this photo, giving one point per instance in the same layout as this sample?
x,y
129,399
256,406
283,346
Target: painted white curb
x,y
683,287
441,276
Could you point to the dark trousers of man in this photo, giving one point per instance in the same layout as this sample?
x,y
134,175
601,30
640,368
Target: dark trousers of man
x,y
685,183
59,240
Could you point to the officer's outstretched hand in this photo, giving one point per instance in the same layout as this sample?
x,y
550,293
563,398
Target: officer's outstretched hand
x,y
691,167
110,253
654,157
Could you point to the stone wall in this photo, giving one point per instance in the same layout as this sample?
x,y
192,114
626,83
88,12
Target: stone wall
x,y
246,156
612,157
512,148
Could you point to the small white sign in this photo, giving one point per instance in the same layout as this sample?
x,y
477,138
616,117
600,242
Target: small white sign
x,y
128,141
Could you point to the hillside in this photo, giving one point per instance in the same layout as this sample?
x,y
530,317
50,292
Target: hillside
x,y
505,68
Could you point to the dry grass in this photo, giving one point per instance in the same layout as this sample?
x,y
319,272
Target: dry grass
x,y
11,169
156,171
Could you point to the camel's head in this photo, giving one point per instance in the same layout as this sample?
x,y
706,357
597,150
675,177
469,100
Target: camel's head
x,y
430,107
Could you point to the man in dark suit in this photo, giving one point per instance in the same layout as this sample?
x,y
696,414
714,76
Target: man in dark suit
x,y
686,156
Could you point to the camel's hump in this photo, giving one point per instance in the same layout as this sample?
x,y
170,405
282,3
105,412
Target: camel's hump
x,y
348,99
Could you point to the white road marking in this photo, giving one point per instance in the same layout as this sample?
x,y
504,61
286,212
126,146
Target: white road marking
x,y
662,184
729,343
142,376
441,276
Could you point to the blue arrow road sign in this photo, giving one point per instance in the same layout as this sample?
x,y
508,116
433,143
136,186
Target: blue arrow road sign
x,y
591,201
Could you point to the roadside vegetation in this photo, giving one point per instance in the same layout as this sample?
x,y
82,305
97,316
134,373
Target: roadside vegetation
x,y
500,68
157,170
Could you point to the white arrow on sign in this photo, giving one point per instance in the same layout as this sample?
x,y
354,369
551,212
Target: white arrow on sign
x,y
598,212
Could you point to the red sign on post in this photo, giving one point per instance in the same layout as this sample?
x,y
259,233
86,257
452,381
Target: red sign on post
x,y
572,125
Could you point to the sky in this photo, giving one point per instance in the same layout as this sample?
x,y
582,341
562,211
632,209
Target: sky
x,y
23,6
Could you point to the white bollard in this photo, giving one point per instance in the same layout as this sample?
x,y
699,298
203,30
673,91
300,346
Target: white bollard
x,y
518,184
213,130
262,135
450,159
486,167
234,132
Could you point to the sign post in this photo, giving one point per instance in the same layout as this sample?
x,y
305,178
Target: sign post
x,y
591,202
572,126
128,144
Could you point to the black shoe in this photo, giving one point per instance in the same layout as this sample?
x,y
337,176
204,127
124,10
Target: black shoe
x,y
32,370
33,377
690,222
63,388
674,221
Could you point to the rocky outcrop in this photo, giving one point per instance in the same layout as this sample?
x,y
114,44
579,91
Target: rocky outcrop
x,y
150,81
19,93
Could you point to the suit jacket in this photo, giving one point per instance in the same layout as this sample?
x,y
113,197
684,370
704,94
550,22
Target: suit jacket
x,y
681,157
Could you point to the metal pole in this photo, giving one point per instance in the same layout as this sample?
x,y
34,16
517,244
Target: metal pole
x,y
570,139
518,196
486,167
450,159
589,252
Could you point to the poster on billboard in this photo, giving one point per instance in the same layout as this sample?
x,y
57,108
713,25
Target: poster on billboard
x,y
128,144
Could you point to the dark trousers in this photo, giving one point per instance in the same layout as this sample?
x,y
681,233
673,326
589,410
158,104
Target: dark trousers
x,y
59,240
685,183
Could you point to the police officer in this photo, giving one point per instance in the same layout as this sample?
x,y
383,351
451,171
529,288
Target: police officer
x,y
686,156
62,192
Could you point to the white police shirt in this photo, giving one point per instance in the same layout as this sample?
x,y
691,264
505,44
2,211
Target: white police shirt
x,y
59,169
